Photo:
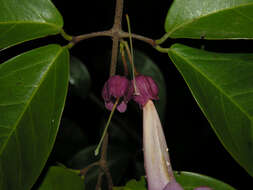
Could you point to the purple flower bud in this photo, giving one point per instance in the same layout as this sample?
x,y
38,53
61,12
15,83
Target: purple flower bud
x,y
116,87
146,89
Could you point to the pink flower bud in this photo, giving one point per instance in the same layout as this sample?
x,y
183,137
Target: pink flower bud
x,y
116,87
146,89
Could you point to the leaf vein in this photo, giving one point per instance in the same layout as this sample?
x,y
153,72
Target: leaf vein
x,y
177,27
28,103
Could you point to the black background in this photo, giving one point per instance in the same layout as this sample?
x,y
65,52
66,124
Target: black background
x,y
192,143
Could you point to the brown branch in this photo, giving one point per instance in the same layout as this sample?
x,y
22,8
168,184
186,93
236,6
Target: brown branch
x,y
130,57
115,48
122,34
116,29
99,181
103,163
104,148
79,38
118,14
122,52
139,37
86,169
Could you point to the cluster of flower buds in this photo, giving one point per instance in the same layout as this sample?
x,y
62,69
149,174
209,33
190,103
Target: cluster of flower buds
x,y
142,89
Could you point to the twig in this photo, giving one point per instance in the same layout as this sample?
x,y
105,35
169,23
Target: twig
x,y
122,52
80,38
115,47
103,163
129,57
99,181
118,14
116,28
109,33
139,37
86,169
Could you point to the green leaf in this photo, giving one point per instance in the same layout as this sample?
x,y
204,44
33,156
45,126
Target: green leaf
x,y
59,178
26,20
210,19
79,78
222,85
33,89
134,185
190,180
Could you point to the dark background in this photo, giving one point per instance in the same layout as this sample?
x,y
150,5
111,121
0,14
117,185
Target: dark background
x,y
192,143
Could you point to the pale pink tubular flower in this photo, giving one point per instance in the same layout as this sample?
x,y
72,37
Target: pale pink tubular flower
x,y
156,158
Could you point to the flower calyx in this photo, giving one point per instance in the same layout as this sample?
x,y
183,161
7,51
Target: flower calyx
x,y
146,88
116,87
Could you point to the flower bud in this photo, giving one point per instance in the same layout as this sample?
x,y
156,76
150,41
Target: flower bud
x,y
146,89
156,157
116,87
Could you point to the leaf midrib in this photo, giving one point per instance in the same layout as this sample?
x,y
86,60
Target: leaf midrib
x,y
200,17
30,99
217,87
222,92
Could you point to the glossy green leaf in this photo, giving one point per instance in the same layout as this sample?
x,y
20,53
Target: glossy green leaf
x,y
222,85
136,185
27,19
190,180
210,19
59,178
79,78
133,185
33,89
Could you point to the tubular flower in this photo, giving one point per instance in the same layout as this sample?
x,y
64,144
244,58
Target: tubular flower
x,y
156,158
116,87
146,89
